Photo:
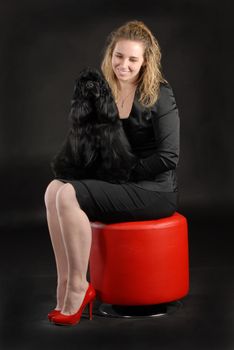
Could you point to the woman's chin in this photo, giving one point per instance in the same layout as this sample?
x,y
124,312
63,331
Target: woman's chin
x,y
126,79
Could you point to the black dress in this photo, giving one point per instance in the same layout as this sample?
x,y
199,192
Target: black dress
x,y
154,136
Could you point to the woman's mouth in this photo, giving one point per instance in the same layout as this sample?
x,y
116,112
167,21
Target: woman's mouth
x,y
122,72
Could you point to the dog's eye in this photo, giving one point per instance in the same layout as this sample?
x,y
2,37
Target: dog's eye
x,y
89,84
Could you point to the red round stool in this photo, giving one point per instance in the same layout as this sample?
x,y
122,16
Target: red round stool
x,y
140,263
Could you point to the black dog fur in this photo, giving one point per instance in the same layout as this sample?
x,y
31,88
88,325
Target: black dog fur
x,y
96,145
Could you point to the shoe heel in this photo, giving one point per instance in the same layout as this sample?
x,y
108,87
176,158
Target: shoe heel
x,y
91,310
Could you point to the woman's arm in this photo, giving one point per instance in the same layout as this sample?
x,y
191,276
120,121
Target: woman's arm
x,y
166,126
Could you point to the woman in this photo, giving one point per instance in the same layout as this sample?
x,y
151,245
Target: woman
x,y
149,116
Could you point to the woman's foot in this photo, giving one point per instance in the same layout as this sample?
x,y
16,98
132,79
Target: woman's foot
x,y
61,292
53,313
72,319
74,298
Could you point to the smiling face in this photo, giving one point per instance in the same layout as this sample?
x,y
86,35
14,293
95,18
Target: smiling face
x,y
127,60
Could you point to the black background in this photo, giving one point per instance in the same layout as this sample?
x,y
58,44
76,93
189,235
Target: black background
x,y
43,46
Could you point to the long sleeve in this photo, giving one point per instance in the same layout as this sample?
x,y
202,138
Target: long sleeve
x,y
166,125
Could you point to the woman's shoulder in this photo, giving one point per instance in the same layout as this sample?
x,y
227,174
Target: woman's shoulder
x,y
165,88
166,99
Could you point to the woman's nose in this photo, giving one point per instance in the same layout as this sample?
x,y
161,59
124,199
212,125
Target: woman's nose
x,y
125,63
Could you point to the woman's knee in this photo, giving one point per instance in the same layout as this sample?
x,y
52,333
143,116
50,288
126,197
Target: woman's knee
x,y
51,193
66,198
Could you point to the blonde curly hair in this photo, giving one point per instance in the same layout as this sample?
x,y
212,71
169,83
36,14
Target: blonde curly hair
x,y
150,75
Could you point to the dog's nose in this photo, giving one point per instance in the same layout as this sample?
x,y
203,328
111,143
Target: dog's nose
x,y
89,84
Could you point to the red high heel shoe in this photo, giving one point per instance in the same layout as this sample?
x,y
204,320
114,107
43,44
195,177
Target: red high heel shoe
x,y
71,320
52,314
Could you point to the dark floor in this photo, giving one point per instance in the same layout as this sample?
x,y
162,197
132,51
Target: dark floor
x,y
204,322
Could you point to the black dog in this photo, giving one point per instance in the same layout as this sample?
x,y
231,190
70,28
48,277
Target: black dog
x,y
96,145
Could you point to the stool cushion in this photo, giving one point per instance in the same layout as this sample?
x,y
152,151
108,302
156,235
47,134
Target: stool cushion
x,y
140,263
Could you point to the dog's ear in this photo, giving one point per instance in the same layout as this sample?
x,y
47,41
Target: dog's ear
x,y
81,105
81,113
105,105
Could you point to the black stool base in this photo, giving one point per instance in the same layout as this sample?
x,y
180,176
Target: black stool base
x,y
137,311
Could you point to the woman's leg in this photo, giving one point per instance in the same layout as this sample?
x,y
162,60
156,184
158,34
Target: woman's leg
x,y
76,230
57,240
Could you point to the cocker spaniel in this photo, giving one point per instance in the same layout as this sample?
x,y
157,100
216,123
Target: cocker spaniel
x,y
96,145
